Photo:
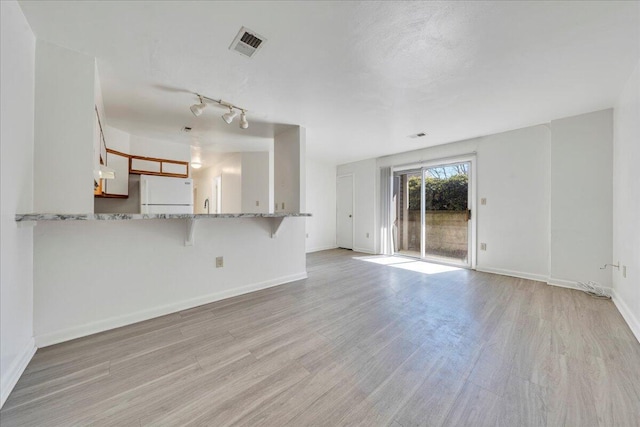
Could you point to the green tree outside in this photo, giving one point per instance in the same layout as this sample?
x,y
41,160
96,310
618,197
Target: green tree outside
x,y
442,194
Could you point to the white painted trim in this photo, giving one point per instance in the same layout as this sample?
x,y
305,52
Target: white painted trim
x,y
562,283
321,248
364,251
627,314
12,375
433,162
116,322
570,284
519,274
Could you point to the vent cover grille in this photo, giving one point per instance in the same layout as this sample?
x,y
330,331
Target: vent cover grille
x,y
247,42
251,40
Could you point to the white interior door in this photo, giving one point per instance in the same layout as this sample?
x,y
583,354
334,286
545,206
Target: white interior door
x,y
344,209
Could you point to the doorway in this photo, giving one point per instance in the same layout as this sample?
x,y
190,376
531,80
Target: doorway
x,y
344,211
432,212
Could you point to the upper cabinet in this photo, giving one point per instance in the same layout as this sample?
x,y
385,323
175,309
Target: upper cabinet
x,y
119,186
163,167
119,162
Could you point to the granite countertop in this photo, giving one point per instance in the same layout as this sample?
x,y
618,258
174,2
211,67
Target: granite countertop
x,y
124,216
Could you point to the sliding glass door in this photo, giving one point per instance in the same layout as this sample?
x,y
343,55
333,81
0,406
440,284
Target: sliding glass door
x,y
432,213
407,227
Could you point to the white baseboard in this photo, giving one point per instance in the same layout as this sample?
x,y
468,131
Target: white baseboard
x,y
364,251
119,321
518,274
12,375
570,284
321,248
627,315
562,283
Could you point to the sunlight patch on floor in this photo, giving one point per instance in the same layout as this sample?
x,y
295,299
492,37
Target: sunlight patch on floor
x,y
408,264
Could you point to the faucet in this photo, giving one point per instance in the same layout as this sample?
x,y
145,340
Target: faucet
x,y
206,205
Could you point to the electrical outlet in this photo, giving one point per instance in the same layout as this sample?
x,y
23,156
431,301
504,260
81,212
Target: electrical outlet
x,y
367,235
483,246
624,271
282,205
257,202
483,201
219,262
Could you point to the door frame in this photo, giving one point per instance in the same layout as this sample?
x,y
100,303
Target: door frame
x,y
353,207
217,185
472,204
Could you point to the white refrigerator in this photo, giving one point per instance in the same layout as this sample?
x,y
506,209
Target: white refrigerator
x,y
165,195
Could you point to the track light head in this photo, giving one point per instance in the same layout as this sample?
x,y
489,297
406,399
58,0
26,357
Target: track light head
x,y
197,109
244,124
228,117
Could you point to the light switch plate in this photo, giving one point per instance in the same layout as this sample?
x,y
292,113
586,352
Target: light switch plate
x,y
483,246
219,262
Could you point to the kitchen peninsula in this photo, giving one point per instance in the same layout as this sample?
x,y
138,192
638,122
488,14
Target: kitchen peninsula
x,y
95,271
101,271
275,219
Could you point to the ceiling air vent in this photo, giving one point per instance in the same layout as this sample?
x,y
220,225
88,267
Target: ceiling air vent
x,y
247,42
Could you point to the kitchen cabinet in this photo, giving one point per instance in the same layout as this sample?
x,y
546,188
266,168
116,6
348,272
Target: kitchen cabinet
x,y
162,167
144,166
118,187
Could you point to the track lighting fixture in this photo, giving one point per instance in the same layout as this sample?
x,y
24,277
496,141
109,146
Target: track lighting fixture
x,y
198,109
228,117
243,120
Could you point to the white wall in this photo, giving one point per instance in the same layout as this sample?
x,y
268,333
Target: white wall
x,y
514,173
118,140
150,271
64,130
149,147
17,64
255,182
290,173
365,175
321,203
581,198
626,200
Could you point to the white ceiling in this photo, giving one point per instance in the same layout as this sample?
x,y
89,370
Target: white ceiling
x,y
359,76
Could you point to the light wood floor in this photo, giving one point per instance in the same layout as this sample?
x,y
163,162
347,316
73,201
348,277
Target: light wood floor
x,y
357,343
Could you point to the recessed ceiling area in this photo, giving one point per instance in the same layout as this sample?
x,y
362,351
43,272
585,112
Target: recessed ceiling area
x,y
359,76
